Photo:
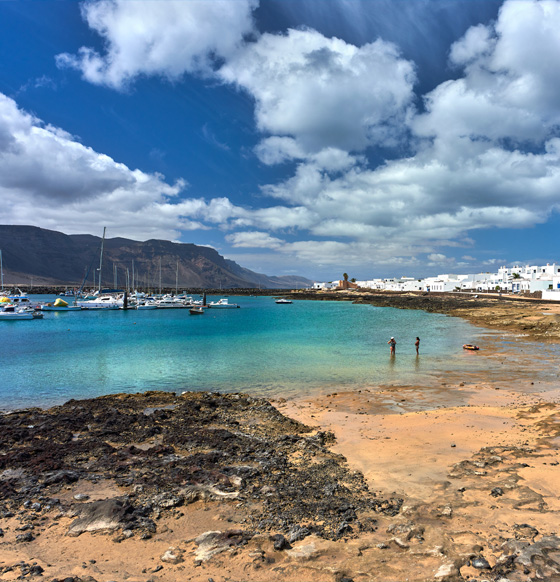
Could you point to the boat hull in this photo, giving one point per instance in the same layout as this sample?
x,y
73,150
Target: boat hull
x,y
60,308
98,307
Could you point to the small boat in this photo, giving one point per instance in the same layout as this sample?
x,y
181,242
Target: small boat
x,y
222,304
147,305
471,347
283,301
13,313
196,310
59,305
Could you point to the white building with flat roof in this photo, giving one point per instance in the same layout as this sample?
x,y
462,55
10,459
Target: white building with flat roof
x,y
516,279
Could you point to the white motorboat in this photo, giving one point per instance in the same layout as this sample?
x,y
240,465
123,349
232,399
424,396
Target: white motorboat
x,y
20,299
147,305
283,301
12,312
169,302
106,301
222,304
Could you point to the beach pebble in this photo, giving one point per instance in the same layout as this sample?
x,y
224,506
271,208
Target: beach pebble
x,y
446,570
81,497
446,511
480,563
343,528
280,542
302,553
25,537
298,533
497,492
172,556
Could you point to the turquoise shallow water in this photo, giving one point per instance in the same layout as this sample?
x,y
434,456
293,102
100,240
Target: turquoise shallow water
x,y
263,348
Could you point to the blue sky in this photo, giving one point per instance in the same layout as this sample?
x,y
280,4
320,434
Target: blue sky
x,y
309,137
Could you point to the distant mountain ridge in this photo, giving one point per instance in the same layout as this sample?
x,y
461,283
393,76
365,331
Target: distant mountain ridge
x,y
46,257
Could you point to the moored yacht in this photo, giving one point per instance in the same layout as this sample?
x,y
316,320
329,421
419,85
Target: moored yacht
x,y
222,304
11,312
169,302
106,300
20,298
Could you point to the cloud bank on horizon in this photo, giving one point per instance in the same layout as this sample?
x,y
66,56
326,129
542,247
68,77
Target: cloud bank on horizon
x,y
373,173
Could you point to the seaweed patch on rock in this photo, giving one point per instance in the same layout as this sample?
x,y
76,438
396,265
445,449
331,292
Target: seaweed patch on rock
x,y
164,451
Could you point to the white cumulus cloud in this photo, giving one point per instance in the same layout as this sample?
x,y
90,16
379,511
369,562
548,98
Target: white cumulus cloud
x,y
49,179
165,39
324,92
254,240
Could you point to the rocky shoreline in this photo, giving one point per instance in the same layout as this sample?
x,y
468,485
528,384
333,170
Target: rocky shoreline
x,y
533,317
204,486
164,452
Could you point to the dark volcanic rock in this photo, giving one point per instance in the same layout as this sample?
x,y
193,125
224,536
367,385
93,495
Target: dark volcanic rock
x,y
166,450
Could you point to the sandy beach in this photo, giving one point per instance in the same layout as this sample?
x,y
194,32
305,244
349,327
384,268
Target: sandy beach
x,y
464,474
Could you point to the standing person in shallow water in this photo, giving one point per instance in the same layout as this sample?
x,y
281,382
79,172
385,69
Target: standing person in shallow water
x,y
417,344
392,343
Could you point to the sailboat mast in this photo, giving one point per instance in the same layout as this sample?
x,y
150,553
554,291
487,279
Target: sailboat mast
x,y
160,275
101,257
177,278
2,270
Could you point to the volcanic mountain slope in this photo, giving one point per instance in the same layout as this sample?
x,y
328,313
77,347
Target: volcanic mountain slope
x,y
32,254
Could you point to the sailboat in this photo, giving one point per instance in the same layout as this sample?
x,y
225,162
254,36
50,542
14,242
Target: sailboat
x,y
107,300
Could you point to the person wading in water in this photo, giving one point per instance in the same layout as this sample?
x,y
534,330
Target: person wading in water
x,y
392,343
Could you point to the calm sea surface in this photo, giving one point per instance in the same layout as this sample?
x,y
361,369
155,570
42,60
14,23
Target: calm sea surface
x,y
262,348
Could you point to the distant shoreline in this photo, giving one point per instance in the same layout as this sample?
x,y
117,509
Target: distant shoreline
x,y
538,319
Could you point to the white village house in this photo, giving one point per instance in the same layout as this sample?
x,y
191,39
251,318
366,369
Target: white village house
x,y
516,279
